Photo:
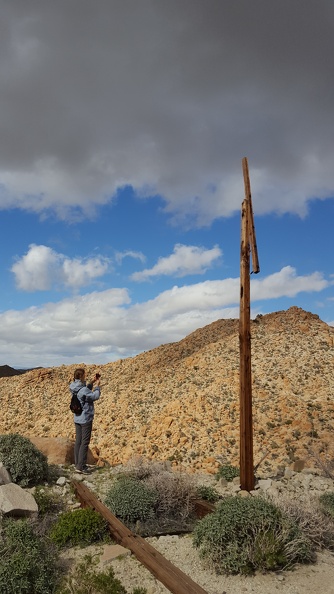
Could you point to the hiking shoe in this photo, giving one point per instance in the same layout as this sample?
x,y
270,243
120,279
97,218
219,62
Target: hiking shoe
x,y
83,471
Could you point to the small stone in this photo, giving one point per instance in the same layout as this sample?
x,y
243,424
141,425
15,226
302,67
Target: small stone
x,y
264,484
61,481
244,493
111,552
288,473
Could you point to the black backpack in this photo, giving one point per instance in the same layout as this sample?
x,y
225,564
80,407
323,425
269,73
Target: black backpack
x,y
75,404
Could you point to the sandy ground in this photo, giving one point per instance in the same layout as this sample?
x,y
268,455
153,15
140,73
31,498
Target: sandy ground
x,y
304,579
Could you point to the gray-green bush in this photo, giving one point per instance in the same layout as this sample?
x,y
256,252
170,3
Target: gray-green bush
x,y
131,500
245,534
228,472
28,564
208,493
79,527
25,463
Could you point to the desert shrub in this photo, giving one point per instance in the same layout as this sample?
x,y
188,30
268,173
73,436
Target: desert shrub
x,y
27,563
208,493
327,503
79,527
159,502
131,499
48,502
175,493
311,520
86,580
25,463
245,534
140,468
54,472
228,472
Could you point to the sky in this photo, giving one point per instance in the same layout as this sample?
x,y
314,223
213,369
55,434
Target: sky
x,y
123,125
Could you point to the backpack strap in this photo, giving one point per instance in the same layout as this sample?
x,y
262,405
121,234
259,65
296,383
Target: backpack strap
x,y
84,396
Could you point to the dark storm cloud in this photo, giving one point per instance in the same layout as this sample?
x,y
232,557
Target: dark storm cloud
x,y
167,96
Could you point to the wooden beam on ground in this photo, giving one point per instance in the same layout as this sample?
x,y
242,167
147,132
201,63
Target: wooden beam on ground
x,y
168,574
203,508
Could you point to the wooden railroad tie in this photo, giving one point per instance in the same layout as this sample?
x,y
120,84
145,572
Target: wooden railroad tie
x,y
168,574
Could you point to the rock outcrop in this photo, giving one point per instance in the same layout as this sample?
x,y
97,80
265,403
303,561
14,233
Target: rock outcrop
x,y
59,450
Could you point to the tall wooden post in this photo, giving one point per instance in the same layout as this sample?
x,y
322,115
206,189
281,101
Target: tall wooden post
x,y
248,242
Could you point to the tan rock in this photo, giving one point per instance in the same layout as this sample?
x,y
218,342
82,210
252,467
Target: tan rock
x,y
15,501
211,470
59,450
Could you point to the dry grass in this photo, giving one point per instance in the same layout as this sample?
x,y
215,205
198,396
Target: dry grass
x,y
322,459
318,527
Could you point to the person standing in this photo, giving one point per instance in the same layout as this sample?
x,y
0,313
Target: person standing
x,y
84,422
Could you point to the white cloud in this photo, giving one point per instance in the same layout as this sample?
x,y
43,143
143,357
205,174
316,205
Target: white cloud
x,y
104,326
41,269
119,256
34,271
186,259
286,283
167,97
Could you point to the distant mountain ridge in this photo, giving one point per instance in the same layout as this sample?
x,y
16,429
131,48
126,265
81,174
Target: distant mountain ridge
x,y
7,371
180,401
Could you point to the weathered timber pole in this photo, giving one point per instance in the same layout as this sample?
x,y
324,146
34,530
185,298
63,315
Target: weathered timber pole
x,y
248,240
246,416
251,229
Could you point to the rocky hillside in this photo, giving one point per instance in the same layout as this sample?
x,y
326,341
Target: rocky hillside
x,y
180,401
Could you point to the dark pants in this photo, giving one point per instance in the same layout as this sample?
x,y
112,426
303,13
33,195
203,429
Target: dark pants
x,y
82,439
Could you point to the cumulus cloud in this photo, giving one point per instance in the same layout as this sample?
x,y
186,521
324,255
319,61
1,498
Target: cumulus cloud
x,y
167,97
41,269
186,259
286,283
102,327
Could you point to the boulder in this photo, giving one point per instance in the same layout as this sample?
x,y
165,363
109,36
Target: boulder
x,y
15,501
59,450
